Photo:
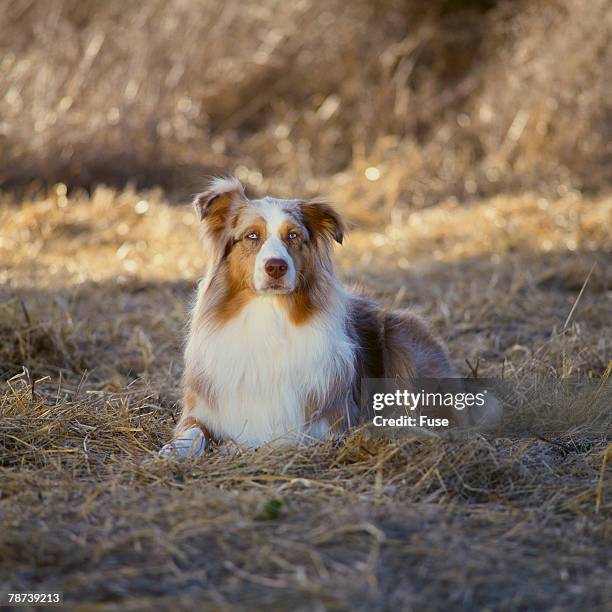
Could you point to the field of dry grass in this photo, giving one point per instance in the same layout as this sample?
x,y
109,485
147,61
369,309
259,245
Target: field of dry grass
x,y
467,143
463,98
93,304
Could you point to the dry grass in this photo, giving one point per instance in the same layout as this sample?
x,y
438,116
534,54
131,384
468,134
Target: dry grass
x,y
93,299
465,98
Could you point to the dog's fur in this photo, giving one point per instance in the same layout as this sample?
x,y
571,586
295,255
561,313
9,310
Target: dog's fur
x,y
280,358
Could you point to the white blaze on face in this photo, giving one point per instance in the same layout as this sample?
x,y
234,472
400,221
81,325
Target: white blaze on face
x,y
273,248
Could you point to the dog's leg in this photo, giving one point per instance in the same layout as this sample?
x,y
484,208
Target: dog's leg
x,y
191,436
190,439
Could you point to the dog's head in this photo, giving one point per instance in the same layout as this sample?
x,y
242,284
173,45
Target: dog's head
x,y
270,246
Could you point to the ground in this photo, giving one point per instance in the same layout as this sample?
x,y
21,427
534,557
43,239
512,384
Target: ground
x,y
93,302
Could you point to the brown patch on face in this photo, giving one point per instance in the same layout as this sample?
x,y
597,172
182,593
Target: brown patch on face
x,y
292,226
235,276
314,271
316,223
231,288
217,208
311,270
299,304
295,236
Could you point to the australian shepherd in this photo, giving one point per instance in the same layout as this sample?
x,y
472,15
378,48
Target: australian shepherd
x,y
277,347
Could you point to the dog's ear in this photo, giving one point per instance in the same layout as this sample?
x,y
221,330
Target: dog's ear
x,y
214,205
322,219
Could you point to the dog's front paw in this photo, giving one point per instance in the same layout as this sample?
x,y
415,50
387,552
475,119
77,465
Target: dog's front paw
x,y
189,443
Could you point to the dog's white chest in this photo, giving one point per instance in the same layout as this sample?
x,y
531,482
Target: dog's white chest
x,y
263,369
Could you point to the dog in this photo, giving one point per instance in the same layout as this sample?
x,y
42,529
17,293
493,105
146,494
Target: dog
x,y
277,346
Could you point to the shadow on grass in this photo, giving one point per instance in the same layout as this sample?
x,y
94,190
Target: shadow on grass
x,y
383,524
127,328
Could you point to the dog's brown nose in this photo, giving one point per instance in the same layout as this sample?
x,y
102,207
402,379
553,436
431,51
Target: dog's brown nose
x,y
276,267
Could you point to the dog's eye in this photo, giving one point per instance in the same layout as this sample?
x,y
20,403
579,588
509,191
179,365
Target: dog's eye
x,y
253,236
292,235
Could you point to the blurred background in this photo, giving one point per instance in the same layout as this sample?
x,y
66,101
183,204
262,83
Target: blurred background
x,y
395,103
